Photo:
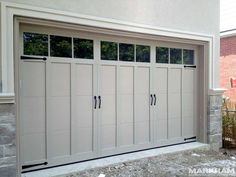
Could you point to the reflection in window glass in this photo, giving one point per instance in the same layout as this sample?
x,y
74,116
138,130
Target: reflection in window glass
x,y
109,50
175,56
162,55
126,52
60,46
142,53
83,48
35,44
188,57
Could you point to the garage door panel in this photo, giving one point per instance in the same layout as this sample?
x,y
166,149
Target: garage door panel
x,y
33,115
161,129
174,80
83,141
174,128
60,79
84,111
174,105
126,81
108,110
59,114
84,79
188,80
142,80
126,136
160,83
33,79
108,80
108,137
142,132
59,144
59,120
161,106
142,112
33,147
188,105
126,113
188,125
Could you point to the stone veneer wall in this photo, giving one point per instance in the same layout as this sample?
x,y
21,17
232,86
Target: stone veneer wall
x,y
7,140
214,121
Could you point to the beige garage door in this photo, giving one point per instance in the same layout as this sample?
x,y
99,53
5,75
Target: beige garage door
x,y
84,95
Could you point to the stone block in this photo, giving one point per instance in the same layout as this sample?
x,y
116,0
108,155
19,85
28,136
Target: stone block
x,y
215,128
7,109
8,171
215,141
7,161
9,150
10,119
1,152
7,139
7,130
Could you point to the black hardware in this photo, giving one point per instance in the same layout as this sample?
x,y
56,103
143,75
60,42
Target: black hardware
x,y
155,100
33,165
151,99
100,101
95,102
191,138
190,66
33,58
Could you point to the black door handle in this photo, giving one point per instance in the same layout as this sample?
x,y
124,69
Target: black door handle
x,y
33,58
100,102
95,102
155,100
151,99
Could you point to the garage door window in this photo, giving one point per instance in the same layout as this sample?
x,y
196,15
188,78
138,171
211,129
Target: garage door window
x,y
109,50
175,56
188,57
83,48
60,46
162,55
142,53
126,52
35,44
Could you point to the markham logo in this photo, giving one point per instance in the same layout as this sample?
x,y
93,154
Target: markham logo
x,y
210,171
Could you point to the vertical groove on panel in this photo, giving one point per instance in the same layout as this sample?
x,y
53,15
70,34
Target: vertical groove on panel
x,y
150,123
71,105
167,95
181,97
134,105
117,105
116,114
47,69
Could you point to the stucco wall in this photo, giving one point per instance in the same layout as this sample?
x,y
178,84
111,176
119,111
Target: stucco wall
x,y
227,15
199,16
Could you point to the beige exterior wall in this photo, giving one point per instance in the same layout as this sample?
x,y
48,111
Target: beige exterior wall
x,y
193,16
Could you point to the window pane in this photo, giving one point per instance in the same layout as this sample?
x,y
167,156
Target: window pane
x,y
188,56
126,52
35,44
83,48
108,50
162,55
60,46
142,53
175,56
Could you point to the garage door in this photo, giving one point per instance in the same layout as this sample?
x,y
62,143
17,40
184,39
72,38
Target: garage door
x,y
84,96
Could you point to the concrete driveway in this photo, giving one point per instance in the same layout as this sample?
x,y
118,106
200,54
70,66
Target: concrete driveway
x,y
196,162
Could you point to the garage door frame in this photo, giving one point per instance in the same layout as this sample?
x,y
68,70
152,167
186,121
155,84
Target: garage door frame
x,y
203,46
